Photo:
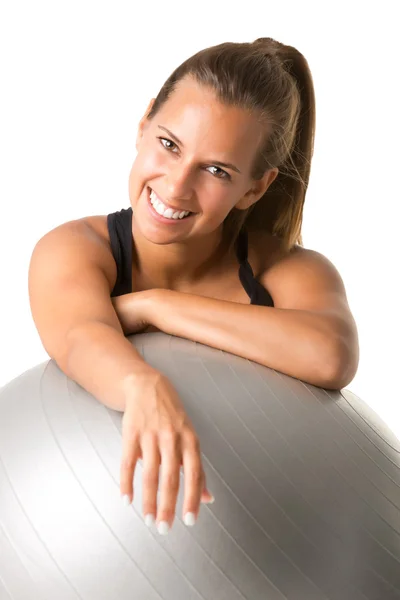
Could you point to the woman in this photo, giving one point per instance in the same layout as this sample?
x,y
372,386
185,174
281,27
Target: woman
x,y
209,250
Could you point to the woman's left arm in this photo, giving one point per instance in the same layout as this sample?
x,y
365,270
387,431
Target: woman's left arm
x,y
309,334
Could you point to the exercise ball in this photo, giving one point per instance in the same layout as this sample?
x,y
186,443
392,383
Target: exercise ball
x,y
306,484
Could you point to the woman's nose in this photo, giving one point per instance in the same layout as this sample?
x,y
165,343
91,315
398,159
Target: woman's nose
x,y
179,183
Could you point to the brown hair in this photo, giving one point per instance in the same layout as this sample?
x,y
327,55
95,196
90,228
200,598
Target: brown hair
x,y
274,81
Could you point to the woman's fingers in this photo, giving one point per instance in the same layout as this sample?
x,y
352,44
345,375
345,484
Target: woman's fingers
x,y
156,428
206,496
194,478
151,467
170,450
130,454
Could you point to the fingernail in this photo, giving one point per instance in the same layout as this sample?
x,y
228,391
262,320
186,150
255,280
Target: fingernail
x,y
126,500
149,520
211,501
163,528
189,519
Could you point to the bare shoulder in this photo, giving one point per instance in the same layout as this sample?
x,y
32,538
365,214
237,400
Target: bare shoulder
x,y
89,238
265,251
98,231
98,224
300,278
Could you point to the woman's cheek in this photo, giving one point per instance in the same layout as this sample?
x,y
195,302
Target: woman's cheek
x,y
152,164
218,199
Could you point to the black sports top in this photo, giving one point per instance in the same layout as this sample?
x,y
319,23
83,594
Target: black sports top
x,y
120,231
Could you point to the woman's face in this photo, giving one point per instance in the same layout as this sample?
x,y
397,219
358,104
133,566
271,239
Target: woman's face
x,y
182,166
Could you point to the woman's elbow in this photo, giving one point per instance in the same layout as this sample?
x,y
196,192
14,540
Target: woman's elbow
x,y
341,364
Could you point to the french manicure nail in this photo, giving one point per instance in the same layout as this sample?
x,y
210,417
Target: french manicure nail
x,y
189,519
163,528
126,500
149,520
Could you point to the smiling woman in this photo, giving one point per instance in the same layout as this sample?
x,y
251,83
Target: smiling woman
x,y
209,249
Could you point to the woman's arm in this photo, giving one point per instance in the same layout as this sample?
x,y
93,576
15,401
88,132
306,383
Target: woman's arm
x,y
310,333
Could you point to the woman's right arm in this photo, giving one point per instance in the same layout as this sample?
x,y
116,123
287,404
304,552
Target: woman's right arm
x,y
71,275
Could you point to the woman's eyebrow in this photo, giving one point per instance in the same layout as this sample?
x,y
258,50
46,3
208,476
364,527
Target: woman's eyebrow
x,y
214,162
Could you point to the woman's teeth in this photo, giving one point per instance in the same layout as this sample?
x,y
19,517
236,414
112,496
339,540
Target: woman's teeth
x,y
164,211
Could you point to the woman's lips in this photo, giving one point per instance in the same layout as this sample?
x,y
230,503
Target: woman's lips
x,y
159,217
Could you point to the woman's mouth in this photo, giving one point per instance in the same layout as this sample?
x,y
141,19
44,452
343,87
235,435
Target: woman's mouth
x,y
163,212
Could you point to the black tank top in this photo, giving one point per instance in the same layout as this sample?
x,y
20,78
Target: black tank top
x,y
120,231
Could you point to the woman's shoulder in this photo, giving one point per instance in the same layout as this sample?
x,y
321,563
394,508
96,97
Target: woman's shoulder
x,y
98,224
290,276
267,251
97,227
273,264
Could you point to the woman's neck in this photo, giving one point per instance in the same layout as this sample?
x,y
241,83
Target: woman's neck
x,y
177,265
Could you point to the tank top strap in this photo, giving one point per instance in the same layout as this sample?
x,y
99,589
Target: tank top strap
x,y
253,288
120,231
242,246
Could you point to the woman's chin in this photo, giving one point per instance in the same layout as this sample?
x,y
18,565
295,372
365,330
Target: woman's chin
x,y
158,230
156,235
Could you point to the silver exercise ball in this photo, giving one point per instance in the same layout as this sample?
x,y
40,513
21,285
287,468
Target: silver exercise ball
x,y
306,481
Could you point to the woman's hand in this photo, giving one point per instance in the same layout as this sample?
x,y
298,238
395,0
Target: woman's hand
x,y
156,429
133,312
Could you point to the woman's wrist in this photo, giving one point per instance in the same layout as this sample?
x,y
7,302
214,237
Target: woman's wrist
x,y
150,305
141,377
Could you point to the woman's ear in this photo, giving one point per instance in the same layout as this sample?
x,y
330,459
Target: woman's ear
x,y
142,123
258,189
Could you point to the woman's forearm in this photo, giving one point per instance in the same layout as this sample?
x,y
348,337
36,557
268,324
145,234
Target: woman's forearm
x,y
306,345
104,363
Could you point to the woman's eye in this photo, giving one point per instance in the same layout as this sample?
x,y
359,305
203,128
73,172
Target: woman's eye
x,y
224,174
162,140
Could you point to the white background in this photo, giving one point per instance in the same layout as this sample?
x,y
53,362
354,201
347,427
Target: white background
x,y
75,79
